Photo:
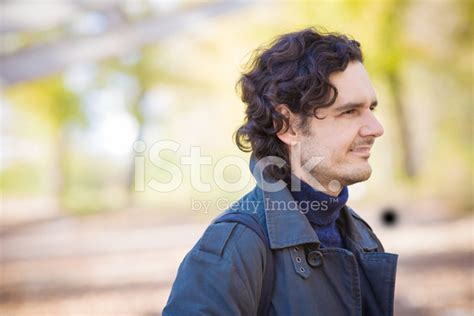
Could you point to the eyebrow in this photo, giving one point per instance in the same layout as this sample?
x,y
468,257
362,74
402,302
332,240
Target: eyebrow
x,y
354,105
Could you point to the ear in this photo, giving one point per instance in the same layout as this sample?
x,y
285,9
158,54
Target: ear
x,y
287,135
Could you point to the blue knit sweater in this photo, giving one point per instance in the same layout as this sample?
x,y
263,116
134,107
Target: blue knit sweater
x,y
322,210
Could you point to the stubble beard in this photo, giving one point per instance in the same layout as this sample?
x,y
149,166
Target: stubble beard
x,y
345,175
331,170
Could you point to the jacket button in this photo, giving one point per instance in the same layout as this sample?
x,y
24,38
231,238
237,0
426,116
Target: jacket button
x,y
315,258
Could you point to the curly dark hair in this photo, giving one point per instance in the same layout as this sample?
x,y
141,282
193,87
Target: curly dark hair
x,y
293,70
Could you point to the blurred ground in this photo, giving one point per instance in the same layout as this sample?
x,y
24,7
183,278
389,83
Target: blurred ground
x,y
124,263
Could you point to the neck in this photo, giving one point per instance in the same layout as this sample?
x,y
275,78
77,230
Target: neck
x,y
332,187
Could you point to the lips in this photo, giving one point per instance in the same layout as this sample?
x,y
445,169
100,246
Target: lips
x,y
362,151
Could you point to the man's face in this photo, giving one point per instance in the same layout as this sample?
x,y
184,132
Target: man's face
x,y
345,135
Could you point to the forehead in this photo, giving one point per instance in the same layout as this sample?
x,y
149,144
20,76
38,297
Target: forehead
x,y
353,84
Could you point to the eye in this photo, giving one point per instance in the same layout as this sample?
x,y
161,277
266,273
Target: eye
x,y
373,108
349,112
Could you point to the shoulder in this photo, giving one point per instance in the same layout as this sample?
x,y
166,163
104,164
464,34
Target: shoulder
x,y
227,239
228,262
230,242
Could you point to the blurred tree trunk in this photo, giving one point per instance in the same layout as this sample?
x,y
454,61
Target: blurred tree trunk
x,y
59,170
394,84
139,115
53,102
393,54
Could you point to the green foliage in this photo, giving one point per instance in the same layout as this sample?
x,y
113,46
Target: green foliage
x,y
50,100
22,179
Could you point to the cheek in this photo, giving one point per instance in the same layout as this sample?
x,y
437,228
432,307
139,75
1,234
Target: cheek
x,y
333,133
338,150
338,143
330,141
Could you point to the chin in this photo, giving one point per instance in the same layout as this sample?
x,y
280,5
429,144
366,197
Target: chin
x,y
355,175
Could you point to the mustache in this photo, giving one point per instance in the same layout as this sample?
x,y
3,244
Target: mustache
x,y
363,142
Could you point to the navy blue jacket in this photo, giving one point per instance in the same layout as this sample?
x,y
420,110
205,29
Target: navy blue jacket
x,y
222,274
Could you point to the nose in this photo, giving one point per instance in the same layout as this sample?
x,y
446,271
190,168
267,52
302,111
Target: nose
x,y
371,126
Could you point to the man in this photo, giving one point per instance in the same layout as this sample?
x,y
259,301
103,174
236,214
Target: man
x,y
310,126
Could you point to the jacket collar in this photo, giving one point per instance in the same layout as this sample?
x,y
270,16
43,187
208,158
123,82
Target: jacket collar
x,y
287,226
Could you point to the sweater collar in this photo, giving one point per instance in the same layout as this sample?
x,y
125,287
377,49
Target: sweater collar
x,y
320,208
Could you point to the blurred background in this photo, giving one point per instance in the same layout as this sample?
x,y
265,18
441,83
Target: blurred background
x,y
89,86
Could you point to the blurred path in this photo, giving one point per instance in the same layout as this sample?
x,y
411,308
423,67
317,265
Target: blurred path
x,y
110,264
124,263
